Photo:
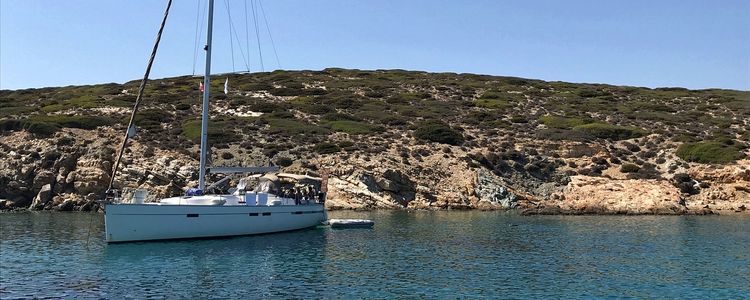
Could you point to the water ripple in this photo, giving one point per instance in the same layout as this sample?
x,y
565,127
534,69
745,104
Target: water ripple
x,y
407,254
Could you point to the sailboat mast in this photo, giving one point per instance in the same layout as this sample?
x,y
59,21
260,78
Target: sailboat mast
x,y
206,87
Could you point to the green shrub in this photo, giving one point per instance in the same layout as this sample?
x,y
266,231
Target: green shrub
x,y
326,148
290,127
491,95
314,91
563,122
267,107
407,98
236,102
85,122
518,119
492,103
629,168
375,94
255,87
16,110
218,132
351,127
342,100
10,125
281,115
709,152
310,105
286,92
557,134
82,122
339,117
151,118
608,131
284,161
182,106
485,119
347,145
53,108
439,132
380,117
590,93
42,128
85,101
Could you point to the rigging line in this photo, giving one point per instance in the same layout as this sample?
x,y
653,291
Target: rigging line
x,y
140,95
239,44
263,12
200,34
197,21
247,36
257,35
231,42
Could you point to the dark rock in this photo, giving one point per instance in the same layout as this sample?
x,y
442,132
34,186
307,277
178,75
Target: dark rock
x,y
67,205
401,187
89,206
43,178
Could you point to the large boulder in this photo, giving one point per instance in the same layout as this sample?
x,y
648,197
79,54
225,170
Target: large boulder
x,y
90,176
490,189
398,185
358,190
41,199
726,189
599,195
67,205
44,177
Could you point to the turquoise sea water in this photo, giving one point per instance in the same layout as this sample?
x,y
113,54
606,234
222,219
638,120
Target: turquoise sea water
x,y
406,255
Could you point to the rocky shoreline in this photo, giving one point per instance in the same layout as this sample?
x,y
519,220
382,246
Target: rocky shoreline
x,y
76,169
393,140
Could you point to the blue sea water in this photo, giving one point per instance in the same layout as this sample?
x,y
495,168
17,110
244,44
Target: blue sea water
x,y
464,254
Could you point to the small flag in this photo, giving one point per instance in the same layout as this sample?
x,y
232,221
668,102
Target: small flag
x,y
200,87
226,86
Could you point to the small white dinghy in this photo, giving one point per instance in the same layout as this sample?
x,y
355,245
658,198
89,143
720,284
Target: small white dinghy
x,y
350,223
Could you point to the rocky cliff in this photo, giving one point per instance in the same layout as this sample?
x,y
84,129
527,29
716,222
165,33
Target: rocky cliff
x,y
393,139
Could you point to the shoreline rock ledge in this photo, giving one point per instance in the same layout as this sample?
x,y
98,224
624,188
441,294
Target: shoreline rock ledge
x,y
69,177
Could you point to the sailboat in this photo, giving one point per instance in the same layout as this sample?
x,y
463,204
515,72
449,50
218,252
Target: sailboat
x,y
245,211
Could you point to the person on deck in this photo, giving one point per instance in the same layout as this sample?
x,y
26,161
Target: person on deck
x,y
297,196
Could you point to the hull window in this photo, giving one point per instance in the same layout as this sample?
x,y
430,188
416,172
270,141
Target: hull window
x,y
267,214
192,215
253,214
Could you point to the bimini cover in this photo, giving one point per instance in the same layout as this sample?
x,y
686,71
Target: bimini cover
x,y
266,186
298,178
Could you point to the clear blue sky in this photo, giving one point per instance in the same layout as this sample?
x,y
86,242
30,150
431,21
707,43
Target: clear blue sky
x,y
688,43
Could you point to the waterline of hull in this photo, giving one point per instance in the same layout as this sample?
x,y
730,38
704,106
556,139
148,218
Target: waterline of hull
x,y
143,222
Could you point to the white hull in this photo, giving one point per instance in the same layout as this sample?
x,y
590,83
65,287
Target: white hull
x,y
142,222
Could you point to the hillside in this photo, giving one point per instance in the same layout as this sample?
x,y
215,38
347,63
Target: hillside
x,y
392,139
